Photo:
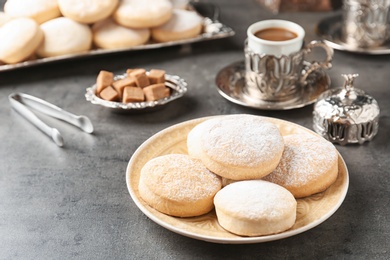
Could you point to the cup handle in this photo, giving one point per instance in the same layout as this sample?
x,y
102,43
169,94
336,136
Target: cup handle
x,y
315,65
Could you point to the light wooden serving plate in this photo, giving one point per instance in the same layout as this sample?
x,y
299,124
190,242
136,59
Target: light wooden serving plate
x,y
311,211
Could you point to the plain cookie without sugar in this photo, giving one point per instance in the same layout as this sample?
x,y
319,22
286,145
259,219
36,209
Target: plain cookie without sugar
x,y
183,25
107,34
19,39
87,11
38,10
64,36
143,14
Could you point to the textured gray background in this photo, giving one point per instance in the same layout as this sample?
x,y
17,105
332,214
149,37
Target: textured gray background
x,y
73,202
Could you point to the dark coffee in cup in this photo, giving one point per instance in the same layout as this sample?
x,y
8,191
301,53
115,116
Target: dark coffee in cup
x,y
275,34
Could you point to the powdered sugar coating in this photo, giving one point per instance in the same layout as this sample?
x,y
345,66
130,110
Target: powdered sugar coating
x,y
255,199
245,140
306,160
177,177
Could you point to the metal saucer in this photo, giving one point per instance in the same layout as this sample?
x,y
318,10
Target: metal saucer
x,y
329,29
231,82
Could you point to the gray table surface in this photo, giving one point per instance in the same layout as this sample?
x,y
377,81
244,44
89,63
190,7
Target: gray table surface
x,y
72,202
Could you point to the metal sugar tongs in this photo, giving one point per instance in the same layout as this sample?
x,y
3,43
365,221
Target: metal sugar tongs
x,y
20,102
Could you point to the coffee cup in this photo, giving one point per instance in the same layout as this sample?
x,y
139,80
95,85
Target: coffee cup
x,y
366,23
275,64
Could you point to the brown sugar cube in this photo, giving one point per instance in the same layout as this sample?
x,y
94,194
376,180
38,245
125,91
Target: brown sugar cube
x,y
140,78
120,84
167,92
104,79
109,93
133,94
155,92
156,76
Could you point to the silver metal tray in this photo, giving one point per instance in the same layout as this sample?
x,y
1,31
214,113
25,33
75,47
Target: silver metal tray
x,y
212,29
329,29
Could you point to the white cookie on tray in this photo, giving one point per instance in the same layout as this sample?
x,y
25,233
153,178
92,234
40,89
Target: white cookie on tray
x,y
237,147
183,25
87,11
255,208
143,14
107,34
309,165
19,39
39,10
64,36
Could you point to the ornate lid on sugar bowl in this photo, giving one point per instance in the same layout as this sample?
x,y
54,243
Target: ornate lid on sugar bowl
x,y
346,115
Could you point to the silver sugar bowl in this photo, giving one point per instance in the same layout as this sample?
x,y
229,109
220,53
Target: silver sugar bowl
x,y
346,115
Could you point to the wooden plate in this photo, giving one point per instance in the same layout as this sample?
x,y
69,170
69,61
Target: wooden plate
x,y
311,211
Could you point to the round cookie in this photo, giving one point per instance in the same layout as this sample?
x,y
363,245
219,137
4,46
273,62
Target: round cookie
x,y
64,36
178,185
109,35
143,14
87,11
183,25
237,147
309,165
255,208
39,10
19,39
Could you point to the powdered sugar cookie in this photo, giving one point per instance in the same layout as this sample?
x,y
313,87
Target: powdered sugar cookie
x,y
109,35
255,208
19,38
143,14
64,36
87,11
39,10
178,185
183,25
237,147
309,165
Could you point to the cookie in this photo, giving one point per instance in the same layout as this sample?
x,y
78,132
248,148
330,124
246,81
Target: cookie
x,y
255,208
87,11
183,25
19,39
178,185
309,165
64,36
107,34
39,10
143,14
237,147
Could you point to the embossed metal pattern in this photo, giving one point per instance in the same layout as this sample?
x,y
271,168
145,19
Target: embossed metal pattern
x,y
311,211
366,22
346,115
231,84
329,29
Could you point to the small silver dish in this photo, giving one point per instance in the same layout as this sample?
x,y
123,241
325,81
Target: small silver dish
x,y
330,30
231,84
177,85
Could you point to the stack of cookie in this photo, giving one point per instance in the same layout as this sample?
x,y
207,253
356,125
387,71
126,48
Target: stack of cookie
x,y
261,174
46,28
